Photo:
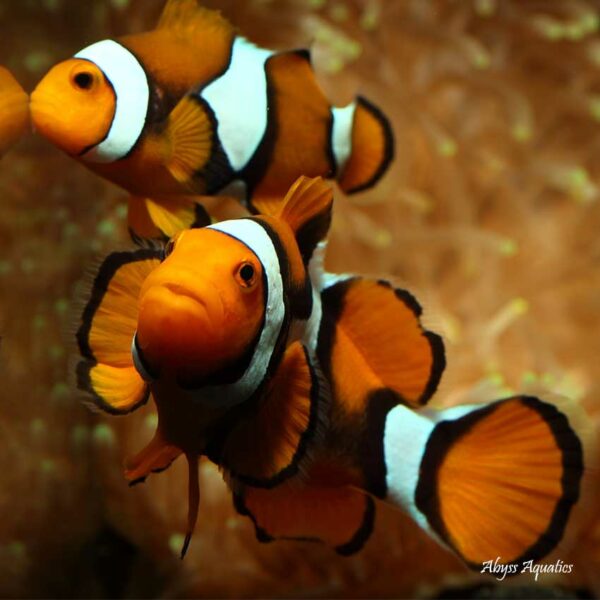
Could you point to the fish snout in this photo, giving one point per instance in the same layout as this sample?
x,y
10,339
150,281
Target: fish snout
x,y
178,327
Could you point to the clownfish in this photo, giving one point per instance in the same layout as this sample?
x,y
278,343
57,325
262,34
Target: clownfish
x,y
14,110
308,390
192,108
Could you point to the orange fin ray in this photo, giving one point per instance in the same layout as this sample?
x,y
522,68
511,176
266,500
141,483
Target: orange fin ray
x,y
306,208
318,509
108,324
165,217
497,480
373,329
187,18
189,139
155,457
372,148
271,446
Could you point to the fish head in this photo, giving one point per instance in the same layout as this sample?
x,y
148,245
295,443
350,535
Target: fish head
x,y
201,309
73,106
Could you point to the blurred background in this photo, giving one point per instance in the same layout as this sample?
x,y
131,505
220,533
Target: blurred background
x,y
490,214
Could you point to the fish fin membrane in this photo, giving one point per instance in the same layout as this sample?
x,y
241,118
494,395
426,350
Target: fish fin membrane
x,y
188,18
189,136
14,110
371,338
372,148
501,480
155,457
307,209
165,217
271,445
108,324
341,516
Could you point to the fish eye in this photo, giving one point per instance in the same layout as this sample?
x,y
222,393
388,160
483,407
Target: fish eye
x,y
246,275
83,80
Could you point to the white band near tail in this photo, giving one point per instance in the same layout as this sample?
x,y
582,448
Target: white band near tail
x,y
405,437
256,238
130,83
341,135
239,100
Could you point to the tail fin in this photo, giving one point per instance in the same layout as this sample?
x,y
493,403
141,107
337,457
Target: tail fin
x,y
491,481
362,143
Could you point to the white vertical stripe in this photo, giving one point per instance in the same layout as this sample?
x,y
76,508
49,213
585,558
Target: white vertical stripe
x,y
239,100
256,238
405,436
341,136
132,94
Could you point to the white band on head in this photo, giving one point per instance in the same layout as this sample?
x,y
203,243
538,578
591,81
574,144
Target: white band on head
x,y
257,239
132,94
239,100
341,136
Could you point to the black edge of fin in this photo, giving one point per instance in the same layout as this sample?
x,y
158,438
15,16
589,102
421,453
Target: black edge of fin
x,y
389,145
446,433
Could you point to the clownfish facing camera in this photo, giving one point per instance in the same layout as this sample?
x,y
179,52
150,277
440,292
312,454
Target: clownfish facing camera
x,y
307,389
192,108
14,111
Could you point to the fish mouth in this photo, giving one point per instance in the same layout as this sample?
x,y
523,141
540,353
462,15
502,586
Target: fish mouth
x,y
182,291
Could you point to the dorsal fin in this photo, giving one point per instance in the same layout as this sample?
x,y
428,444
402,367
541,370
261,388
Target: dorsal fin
x,y
306,208
187,16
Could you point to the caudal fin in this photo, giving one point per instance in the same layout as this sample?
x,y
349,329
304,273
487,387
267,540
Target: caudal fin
x,y
362,143
496,481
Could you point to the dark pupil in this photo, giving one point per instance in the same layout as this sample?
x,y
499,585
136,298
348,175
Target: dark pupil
x,y
247,273
83,81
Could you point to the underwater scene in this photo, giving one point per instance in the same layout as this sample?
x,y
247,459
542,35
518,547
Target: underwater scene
x,y
300,299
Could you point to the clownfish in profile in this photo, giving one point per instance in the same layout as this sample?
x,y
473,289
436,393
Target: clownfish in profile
x,y
14,111
192,108
308,389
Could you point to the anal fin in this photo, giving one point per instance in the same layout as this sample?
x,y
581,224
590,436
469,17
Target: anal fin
x,y
321,508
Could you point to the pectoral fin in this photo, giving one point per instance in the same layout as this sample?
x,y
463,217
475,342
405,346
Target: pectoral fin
x,y
108,324
270,446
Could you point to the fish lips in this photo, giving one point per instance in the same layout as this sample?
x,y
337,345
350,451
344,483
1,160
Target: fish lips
x,y
175,329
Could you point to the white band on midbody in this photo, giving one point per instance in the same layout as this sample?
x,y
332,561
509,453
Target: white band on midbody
x,y
257,239
239,100
132,94
341,135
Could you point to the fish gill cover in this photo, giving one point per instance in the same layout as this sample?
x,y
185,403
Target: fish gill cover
x,y
491,211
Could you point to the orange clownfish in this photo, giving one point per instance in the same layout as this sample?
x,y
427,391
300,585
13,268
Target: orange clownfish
x,y
192,108
14,110
307,389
